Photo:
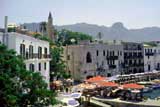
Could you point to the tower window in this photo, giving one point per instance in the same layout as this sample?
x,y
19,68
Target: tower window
x,y
88,58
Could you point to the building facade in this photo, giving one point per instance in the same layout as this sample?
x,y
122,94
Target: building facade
x,y
133,58
85,60
35,52
151,57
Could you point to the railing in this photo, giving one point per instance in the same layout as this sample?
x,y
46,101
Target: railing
x,y
133,65
112,66
134,56
34,56
112,57
149,54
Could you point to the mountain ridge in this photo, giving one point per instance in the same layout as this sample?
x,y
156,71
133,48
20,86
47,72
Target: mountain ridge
x,y
115,32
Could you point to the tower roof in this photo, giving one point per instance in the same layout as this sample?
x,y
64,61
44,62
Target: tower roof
x,y
50,15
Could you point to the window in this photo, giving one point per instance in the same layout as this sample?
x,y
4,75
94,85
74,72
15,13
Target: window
x,y
45,52
31,67
107,53
30,51
88,58
22,50
104,53
149,67
120,53
39,65
139,61
45,66
39,52
112,53
68,57
97,52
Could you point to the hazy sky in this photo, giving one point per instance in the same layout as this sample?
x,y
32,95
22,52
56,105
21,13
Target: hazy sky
x,y
133,13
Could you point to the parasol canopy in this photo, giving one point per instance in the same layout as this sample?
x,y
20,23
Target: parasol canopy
x,y
96,79
108,84
133,86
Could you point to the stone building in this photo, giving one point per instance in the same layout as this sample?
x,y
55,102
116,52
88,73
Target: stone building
x,y
50,29
89,59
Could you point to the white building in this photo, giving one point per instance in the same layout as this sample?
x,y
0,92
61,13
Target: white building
x,y
1,37
151,57
34,51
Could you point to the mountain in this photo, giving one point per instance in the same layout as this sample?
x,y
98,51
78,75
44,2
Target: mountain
x,y
116,32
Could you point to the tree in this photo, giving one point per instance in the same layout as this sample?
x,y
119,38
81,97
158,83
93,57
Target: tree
x,y
19,87
57,65
65,37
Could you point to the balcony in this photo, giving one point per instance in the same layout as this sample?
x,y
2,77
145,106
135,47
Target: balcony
x,y
133,57
112,66
36,56
149,54
133,65
112,57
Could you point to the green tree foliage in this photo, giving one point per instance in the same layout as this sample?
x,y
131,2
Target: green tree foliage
x,y
19,87
57,65
65,37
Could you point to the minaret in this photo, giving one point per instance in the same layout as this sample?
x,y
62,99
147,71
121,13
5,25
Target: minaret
x,y
50,30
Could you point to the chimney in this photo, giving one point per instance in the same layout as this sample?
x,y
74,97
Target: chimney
x,y
5,35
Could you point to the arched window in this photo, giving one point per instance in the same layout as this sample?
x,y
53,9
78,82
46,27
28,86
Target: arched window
x,y
88,58
22,50
31,67
30,51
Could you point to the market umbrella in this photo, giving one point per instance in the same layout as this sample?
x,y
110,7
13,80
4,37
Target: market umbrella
x,y
76,95
133,86
96,79
108,84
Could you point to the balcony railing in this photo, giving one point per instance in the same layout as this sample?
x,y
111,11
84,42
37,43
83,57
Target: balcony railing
x,y
134,56
112,57
149,54
133,65
112,66
34,56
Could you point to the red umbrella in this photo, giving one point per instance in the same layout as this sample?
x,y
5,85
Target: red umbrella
x,y
133,86
108,84
96,79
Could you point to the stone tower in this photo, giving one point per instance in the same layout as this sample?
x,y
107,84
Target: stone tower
x,y
50,29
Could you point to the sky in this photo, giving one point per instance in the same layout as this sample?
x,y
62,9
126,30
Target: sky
x,y
133,13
